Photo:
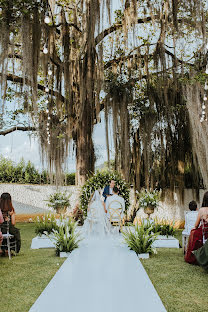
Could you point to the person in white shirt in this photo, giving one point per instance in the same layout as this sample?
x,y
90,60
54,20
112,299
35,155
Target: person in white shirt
x,y
118,200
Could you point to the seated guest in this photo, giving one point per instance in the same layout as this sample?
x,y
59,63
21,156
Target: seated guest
x,y
115,197
200,229
193,205
108,190
190,217
201,256
9,215
1,221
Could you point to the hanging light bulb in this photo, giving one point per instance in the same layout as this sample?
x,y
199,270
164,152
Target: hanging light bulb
x,y
45,50
203,113
50,72
46,89
47,101
47,19
205,98
203,106
49,117
47,111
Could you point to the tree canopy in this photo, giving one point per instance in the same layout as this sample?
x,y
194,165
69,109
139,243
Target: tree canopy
x,y
144,65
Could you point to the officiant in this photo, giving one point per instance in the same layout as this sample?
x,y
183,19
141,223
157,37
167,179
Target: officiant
x,y
108,190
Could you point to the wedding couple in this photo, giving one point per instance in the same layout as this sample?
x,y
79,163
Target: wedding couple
x,y
98,217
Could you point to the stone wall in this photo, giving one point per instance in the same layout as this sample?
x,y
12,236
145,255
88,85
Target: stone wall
x,y
28,199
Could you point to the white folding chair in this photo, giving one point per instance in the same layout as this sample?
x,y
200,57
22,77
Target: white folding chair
x,y
115,213
190,220
8,243
92,217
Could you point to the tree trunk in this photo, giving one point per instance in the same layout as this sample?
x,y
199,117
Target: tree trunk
x,y
85,156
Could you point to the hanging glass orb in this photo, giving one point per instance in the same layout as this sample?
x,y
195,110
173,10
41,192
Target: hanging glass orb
x,y
45,50
50,72
203,106
47,111
47,89
47,19
205,98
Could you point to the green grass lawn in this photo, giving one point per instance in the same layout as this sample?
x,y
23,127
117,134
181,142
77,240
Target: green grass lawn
x,y
23,278
182,287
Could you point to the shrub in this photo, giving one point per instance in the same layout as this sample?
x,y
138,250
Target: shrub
x,y
65,238
140,239
27,173
45,224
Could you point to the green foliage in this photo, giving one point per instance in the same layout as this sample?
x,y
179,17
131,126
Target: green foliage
x,y
70,179
140,239
65,238
26,173
45,224
98,181
59,201
163,227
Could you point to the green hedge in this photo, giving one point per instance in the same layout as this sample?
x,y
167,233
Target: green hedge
x,y
26,173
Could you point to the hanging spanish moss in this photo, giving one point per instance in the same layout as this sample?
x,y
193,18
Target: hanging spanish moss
x,y
61,66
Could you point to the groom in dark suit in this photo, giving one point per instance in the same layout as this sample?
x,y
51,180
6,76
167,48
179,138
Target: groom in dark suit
x,y
108,190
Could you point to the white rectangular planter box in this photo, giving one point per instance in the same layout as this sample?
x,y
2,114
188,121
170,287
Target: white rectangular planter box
x,y
143,256
163,241
64,254
42,241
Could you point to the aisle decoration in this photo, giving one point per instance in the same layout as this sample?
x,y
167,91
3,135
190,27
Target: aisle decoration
x,y
140,238
65,238
45,224
59,201
148,200
98,181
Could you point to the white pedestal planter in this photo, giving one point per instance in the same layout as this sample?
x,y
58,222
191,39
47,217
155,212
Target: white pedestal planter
x,y
42,241
166,242
64,254
143,256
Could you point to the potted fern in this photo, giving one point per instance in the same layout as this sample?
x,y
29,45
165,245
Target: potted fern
x,y
66,239
140,240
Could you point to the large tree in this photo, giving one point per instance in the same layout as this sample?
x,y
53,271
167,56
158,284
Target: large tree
x,y
61,57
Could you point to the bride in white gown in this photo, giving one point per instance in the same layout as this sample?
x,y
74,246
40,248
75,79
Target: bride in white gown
x,y
96,223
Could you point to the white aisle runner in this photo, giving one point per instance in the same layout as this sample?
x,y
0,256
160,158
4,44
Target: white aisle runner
x,y
100,276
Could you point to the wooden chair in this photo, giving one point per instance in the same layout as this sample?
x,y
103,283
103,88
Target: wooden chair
x,y
9,243
115,213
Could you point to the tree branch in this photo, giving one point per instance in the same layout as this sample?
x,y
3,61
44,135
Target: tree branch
x,y
17,79
130,56
19,128
115,27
